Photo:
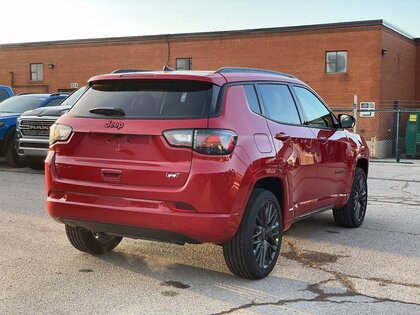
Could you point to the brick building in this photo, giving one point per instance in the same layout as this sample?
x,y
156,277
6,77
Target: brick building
x,y
370,59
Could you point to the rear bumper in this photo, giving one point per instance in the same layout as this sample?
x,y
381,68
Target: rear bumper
x,y
150,213
131,231
141,219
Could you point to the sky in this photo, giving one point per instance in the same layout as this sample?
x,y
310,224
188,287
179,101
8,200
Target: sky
x,y
49,20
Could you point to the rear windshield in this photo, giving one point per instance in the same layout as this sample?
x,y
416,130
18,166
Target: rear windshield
x,y
158,99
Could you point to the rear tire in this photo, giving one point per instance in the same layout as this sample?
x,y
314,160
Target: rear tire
x,y
353,213
91,242
254,250
12,157
36,166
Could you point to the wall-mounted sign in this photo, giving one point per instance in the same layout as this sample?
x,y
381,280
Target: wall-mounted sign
x,y
74,85
367,109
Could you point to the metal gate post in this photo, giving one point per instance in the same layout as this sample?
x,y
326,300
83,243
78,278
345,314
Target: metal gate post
x,y
397,140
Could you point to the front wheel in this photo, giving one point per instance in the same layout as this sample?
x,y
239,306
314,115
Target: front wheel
x,y
353,213
12,157
254,250
91,242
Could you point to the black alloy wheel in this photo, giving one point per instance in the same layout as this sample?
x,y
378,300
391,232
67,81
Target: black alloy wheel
x,y
353,213
266,235
253,252
360,199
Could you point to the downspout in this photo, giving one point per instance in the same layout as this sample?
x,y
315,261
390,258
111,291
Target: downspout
x,y
168,50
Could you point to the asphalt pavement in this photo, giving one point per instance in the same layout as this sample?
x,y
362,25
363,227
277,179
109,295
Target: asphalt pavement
x,y
323,269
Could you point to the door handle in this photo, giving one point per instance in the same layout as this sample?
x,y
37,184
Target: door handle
x,y
282,136
323,139
111,175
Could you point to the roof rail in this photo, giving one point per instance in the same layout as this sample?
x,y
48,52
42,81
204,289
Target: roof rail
x,y
129,70
252,70
59,93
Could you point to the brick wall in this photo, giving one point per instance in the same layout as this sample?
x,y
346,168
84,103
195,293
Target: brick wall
x,y
301,53
398,67
397,82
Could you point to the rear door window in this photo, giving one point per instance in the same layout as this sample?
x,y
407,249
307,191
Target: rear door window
x,y
279,104
252,99
160,99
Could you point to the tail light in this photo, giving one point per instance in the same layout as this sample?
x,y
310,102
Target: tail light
x,y
205,141
59,132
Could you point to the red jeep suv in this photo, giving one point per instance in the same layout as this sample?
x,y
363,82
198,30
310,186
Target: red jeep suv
x,y
230,157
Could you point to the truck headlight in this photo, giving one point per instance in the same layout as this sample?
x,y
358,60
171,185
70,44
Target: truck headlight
x,y
2,123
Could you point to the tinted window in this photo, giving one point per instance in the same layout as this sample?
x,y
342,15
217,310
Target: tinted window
x,y
150,98
252,99
316,114
20,104
54,102
279,103
70,100
3,95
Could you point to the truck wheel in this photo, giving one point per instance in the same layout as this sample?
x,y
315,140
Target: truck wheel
x,y
36,166
91,242
353,213
12,157
254,250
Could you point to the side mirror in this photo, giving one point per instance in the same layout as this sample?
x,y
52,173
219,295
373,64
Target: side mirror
x,y
346,121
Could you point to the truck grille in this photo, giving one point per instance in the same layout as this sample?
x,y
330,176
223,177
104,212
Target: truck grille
x,y
39,128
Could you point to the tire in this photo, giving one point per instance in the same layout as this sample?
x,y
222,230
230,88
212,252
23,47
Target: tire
x,y
353,213
254,250
90,242
36,166
12,157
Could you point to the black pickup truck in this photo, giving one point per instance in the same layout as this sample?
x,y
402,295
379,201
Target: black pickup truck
x,y
33,129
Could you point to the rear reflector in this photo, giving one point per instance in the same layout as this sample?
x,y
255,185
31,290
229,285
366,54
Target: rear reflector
x,y
179,138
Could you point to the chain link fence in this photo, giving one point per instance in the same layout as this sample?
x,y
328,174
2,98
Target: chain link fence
x,y
391,129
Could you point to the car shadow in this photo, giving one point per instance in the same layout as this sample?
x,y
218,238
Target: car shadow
x,y
372,235
201,269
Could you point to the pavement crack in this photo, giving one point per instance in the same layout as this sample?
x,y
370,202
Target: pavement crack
x,y
387,281
320,296
409,201
395,179
390,231
405,187
345,279
297,255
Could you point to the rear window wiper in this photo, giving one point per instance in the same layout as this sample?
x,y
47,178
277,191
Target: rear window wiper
x,y
107,111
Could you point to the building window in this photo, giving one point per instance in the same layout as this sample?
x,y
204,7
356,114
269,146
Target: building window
x,y
36,71
183,63
336,62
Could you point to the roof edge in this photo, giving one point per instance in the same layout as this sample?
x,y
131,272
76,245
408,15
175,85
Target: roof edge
x,y
398,30
269,30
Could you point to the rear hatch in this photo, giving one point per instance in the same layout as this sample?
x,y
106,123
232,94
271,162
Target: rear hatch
x,y
117,131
